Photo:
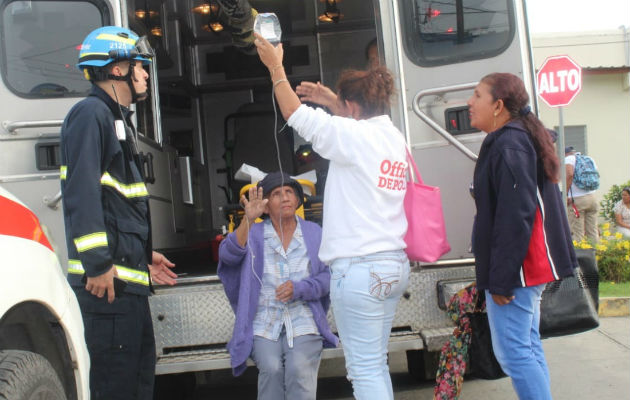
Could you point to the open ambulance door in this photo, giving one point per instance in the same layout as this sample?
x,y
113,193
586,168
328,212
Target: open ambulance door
x,y
440,50
170,138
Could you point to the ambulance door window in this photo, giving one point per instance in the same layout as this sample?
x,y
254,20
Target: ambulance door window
x,y
149,19
452,31
146,116
40,42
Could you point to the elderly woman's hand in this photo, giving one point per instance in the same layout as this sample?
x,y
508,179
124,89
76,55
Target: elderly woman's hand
x,y
255,205
270,56
284,292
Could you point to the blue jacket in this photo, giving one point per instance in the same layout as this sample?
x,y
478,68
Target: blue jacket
x,y
105,200
243,289
521,235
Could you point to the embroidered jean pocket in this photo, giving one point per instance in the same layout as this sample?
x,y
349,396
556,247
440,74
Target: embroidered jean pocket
x,y
384,279
338,273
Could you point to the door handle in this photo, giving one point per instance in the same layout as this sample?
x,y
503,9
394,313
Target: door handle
x,y
147,167
436,127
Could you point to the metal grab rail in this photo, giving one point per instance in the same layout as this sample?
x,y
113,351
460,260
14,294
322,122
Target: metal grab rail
x,y
12,126
441,131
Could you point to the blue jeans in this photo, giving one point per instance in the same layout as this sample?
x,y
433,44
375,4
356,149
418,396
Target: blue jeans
x,y
285,372
516,342
364,292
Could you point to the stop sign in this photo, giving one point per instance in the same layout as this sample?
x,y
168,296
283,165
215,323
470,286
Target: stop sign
x,y
559,81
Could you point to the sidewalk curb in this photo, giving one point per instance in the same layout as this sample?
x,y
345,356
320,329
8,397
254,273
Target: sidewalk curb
x,y
614,306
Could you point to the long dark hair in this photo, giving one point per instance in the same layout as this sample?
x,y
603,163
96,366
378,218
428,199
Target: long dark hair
x,y
371,89
511,90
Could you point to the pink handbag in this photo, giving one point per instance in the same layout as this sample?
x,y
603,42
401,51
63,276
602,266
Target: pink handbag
x,y
426,234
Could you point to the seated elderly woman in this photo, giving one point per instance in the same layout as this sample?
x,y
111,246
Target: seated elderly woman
x,y
622,212
278,289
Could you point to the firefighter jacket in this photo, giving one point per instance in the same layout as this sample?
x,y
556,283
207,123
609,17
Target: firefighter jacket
x,y
105,200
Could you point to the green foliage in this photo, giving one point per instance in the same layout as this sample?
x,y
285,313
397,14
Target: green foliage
x,y
607,205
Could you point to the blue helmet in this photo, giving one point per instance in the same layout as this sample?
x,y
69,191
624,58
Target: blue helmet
x,y
111,44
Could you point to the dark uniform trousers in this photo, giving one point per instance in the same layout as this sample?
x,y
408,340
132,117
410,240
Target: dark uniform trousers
x,y
121,344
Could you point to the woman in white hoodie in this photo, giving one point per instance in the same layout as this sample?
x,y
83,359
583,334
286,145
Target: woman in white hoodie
x,y
364,220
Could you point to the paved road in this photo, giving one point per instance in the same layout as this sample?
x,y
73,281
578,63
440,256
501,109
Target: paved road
x,y
591,365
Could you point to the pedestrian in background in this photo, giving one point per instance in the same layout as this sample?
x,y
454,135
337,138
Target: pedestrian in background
x,y
521,239
582,183
106,215
364,220
622,213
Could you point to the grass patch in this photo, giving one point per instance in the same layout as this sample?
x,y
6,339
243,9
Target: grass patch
x,y
612,289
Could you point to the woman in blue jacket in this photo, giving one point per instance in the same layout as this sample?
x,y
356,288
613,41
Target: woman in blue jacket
x,y
521,238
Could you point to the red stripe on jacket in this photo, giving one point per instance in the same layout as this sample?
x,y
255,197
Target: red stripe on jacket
x,y
17,220
537,268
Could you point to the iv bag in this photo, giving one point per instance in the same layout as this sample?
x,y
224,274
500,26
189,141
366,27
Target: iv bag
x,y
267,25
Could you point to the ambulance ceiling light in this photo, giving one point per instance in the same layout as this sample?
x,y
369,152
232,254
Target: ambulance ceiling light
x,y
142,14
206,8
332,13
213,26
146,15
210,9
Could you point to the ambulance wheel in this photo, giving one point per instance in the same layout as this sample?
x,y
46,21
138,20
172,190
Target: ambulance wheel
x,y
28,376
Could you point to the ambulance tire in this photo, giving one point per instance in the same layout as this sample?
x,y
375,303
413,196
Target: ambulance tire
x,y
28,376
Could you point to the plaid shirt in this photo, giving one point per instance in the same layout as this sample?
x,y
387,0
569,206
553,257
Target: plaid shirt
x,y
279,266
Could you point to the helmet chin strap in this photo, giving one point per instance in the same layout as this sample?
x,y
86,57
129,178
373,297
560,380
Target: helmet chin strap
x,y
130,78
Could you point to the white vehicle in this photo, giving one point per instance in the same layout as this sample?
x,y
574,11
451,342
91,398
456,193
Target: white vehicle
x,y
42,350
210,111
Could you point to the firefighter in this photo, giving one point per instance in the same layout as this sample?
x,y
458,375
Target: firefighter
x,y
106,213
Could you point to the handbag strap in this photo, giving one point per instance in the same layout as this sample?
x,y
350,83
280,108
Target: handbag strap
x,y
411,163
480,297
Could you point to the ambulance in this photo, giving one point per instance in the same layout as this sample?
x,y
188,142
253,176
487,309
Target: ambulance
x,y
210,121
42,351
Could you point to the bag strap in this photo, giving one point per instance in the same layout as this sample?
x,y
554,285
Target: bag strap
x,y
411,163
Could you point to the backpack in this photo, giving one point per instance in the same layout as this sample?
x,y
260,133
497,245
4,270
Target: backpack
x,y
585,175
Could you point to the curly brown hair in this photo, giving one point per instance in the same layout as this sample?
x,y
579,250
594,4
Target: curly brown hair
x,y
371,89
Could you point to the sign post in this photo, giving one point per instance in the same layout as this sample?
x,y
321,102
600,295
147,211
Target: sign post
x,y
559,80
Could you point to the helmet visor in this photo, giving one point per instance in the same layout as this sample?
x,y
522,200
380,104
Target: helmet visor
x,y
144,49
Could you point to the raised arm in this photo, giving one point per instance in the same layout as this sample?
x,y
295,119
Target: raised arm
x,y
272,58
318,94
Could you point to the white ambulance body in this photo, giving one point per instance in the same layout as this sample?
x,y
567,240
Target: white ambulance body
x,y
42,350
210,112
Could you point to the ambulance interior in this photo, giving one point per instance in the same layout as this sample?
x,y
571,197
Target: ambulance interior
x,y
216,109
210,109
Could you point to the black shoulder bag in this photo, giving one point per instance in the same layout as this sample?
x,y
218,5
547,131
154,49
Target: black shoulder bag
x,y
570,306
483,363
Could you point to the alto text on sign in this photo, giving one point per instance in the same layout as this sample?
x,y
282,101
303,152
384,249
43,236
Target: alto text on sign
x,y
559,81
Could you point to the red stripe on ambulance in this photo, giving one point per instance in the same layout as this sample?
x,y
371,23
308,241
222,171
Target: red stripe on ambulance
x,y
17,220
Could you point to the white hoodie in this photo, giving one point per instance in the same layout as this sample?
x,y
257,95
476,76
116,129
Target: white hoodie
x,y
365,187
